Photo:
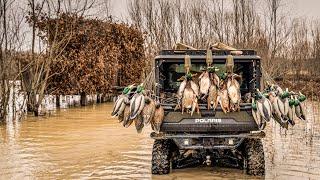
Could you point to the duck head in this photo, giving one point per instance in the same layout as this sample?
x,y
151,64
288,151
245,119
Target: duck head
x,y
258,95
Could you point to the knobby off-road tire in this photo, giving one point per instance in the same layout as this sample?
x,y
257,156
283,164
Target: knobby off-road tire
x,y
253,150
161,157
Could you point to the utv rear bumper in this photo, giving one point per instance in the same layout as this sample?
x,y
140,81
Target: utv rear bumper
x,y
252,134
208,141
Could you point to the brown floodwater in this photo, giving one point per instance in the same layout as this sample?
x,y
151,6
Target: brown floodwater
x,y
86,143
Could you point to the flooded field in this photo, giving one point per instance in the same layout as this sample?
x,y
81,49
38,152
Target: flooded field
x,y
87,143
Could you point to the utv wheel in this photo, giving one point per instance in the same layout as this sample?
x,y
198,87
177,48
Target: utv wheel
x,y
161,157
254,157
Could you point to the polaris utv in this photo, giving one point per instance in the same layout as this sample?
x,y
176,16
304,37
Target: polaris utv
x,y
211,137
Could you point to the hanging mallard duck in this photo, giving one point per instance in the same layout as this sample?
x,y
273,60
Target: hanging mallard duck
x,y
188,91
285,104
264,106
204,83
291,111
121,101
299,110
257,116
158,118
137,102
213,75
223,97
234,93
138,122
212,100
277,107
189,99
148,110
126,117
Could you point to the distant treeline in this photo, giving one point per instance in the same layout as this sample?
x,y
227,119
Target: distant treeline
x,y
290,48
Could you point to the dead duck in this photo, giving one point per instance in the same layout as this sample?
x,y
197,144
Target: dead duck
x,y
234,94
278,107
264,106
223,98
204,84
158,118
291,111
181,88
299,110
276,112
212,100
189,99
285,100
195,88
126,117
148,110
257,116
137,102
121,101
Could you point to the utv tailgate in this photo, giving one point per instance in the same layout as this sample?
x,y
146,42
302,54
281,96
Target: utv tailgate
x,y
209,121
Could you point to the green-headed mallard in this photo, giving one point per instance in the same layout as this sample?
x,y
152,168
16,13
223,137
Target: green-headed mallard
x,y
264,106
277,107
299,110
137,102
122,99
301,97
257,116
291,111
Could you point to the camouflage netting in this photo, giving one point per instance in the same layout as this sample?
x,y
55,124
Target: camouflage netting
x,y
92,55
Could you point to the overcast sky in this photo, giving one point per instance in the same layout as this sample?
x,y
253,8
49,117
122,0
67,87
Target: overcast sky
x,y
296,8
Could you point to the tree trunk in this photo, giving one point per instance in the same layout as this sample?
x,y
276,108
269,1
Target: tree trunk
x,y
83,99
36,111
98,98
57,101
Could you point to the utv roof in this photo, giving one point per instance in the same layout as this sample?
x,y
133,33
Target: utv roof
x,y
247,54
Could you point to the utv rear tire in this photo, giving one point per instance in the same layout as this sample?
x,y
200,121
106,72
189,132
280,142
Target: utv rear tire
x,y
161,157
254,157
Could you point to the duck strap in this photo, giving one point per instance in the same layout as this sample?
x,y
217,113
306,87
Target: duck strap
x,y
187,63
229,64
209,59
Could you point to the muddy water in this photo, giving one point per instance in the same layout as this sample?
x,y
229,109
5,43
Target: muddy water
x,y
87,143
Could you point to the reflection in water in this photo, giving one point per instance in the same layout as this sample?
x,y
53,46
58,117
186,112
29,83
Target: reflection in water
x,y
88,143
